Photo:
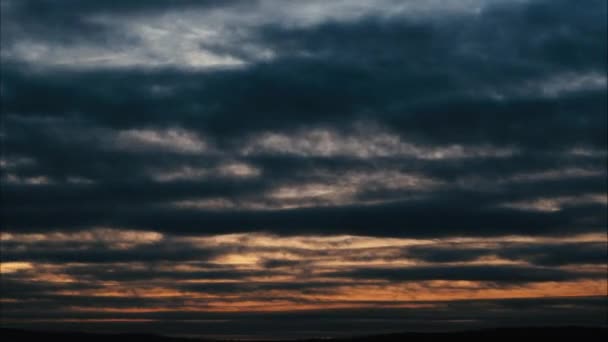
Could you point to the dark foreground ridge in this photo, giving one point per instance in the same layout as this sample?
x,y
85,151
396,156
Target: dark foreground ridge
x,y
534,334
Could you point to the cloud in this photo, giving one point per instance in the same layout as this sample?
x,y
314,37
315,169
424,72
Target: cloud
x,y
364,144
171,139
502,274
191,34
94,276
450,215
171,161
549,254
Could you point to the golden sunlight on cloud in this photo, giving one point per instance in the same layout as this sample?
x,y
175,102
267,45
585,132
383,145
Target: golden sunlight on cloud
x,y
304,242
556,203
11,267
265,272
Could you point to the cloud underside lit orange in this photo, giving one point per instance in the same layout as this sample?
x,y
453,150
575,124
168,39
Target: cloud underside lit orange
x,y
266,273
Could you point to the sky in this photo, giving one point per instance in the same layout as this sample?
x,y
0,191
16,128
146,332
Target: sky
x,y
246,169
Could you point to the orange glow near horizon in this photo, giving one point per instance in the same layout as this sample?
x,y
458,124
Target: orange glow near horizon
x,y
241,276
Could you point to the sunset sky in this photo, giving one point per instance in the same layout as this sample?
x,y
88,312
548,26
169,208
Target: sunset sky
x,y
245,168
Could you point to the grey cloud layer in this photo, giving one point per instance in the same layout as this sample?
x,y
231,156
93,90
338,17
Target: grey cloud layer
x,y
463,103
134,133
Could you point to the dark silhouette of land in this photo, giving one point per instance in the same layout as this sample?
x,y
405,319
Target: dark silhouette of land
x,y
534,334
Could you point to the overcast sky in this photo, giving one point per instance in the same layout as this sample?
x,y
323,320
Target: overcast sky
x,y
247,168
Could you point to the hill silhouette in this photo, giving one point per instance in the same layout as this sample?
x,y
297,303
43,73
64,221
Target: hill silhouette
x,y
534,334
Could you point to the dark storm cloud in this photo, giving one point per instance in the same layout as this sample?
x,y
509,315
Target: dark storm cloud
x,y
185,119
449,254
71,21
14,287
97,253
468,308
521,38
277,263
113,195
305,287
501,274
560,254
215,287
418,219
405,74
212,103
544,254
409,75
81,7
73,148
